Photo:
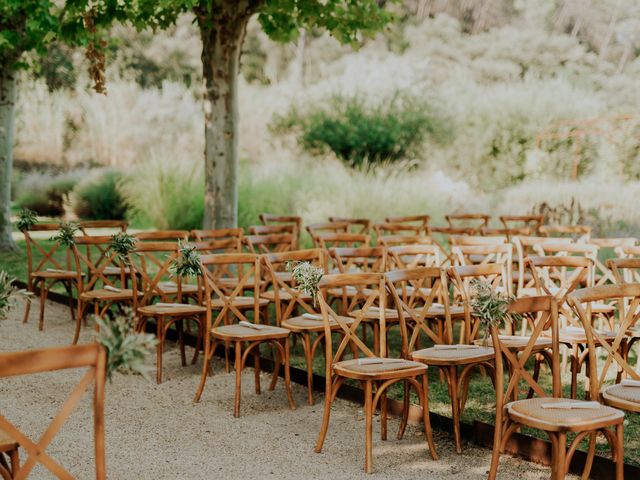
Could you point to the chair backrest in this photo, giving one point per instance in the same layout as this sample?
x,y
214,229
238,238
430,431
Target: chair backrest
x,y
533,222
400,240
628,251
414,293
614,243
505,232
276,242
359,259
603,273
41,253
625,270
151,264
332,240
92,357
224,245
525,246
384,229
355,225
289,228
283,282
477,240
484,255
495,274
420,220
375,302
474,220
627,297
577,232
412,256
541,313
247,272
217,234
94,259
271,219
163,235
86,226
322,228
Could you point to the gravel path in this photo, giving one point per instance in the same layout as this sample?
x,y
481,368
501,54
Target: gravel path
x,y
156,432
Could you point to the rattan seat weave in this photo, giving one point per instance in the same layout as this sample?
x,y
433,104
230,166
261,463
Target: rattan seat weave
x,y
241,332
179,309
108,295
240,302
56,274
388,365
458,356
561,419
520,342
622,397
284,295
302,323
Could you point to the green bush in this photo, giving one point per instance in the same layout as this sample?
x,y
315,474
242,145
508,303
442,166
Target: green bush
x,y
362,134
45,192
98,197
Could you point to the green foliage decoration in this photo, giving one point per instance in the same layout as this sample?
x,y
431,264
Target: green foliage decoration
x,y
307,277
187,264
490,307
66,234
121,246
9,293
26,219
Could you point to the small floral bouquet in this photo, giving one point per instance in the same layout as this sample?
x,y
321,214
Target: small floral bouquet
x,y
307,277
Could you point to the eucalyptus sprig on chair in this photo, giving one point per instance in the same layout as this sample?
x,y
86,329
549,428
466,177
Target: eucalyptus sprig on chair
x,y
126,349
121,246
9,293
66,234
490,307
307,277
187,264
26,219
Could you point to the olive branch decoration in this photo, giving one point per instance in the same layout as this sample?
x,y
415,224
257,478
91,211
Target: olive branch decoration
x,y
187,264
26,219
66,234
307,278
121,245
490,307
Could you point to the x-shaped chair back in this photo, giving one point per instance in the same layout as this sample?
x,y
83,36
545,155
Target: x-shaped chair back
x,y
627,297
354,225
376,298
414,292
472,220
525,246
275,242
151,272
541,313
603,274
484,255
272,219
322,228
345,240
276,263
412,256
289,228
420,220
359,259
385,229
580,233
217,234
246,267
532,222
224,245
36,245
95,259
625,270
495,274
91,356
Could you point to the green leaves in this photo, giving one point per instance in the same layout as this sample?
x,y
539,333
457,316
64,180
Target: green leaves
x,y
489,306
26,219
126,349
9,293
66,234
122,244
307,277
188,262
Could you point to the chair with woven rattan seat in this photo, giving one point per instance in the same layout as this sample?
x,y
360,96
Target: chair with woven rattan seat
x,y
106,283
246,335
354,225
420,220
160,297
273,242
532,222
603,274
543,409
91,357
45,268
577,232
8,448
272,219
375,372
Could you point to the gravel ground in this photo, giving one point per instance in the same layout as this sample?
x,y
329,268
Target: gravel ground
x,y
156,432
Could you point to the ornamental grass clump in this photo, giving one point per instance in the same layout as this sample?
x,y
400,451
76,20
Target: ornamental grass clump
x,y
188,262
126,349
9,293
121,246
66,234
26,219
307,277
490,307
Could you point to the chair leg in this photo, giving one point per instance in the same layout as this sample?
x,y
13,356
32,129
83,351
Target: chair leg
x,y
196,352
426,418
205,368
306,348
43,299
383,416
561,456
574,359
455,405
287,373
328,398
590,454
277,361
159,348
27,310
180,327
619,452
368,426
79,316
238,364
405,410
256,369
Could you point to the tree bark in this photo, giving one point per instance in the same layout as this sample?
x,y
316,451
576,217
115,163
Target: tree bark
x,y
222,30
7,124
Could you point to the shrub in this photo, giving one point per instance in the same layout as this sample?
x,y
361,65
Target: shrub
x,y
360,134
47,192
98,198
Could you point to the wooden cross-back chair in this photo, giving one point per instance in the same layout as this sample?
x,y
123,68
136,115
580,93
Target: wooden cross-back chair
x,y
504,232
275,242
88,227
252,328
354,225
92,357
323,228
385,229
105,284
545,409
218,234
525,246
625,270
484,255
419,220
272,219
295,310
225,245
376,372
163,236
399,240
472,220
413,255
577,232
603,274
532,222
161,297
289,228
346,240
44,269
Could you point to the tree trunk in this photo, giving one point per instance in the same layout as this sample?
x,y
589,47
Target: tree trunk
x,y
7,122
222,31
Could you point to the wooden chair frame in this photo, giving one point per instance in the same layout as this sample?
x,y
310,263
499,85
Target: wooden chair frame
x,y
525,246
583,232
271,219
354,225
277,242
412,256
92,356
345,240
420,220
533,222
